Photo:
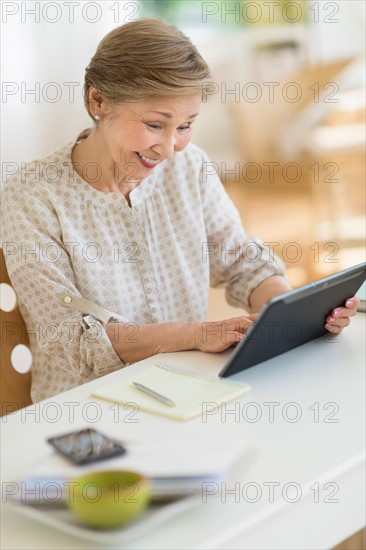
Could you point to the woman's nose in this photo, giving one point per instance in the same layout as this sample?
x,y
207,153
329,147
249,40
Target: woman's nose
x,y
166,146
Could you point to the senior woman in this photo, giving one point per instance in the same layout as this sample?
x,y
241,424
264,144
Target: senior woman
x,y
113,240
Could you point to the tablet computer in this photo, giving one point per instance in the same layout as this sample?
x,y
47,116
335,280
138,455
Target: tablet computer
x,y
294,318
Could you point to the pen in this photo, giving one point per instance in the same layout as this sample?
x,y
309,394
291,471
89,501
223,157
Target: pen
x,y
155,394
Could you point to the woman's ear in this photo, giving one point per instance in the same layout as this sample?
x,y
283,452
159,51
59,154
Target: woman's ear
x,y
96,102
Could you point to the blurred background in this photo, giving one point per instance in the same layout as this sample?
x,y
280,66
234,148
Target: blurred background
x,y
284,124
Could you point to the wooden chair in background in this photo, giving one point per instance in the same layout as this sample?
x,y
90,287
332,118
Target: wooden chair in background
x,y
259,124
328,229
15,385
355,542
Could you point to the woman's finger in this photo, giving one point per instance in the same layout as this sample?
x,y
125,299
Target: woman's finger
x,y
353,302
334,329
238,324
340,312
340,322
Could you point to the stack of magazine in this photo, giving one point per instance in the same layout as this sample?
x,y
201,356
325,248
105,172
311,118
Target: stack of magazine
x,y
176,468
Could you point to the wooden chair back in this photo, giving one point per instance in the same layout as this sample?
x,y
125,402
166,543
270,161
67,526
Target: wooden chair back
x,y
15,386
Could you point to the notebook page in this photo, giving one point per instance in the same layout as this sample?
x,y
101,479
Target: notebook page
x,y
188,391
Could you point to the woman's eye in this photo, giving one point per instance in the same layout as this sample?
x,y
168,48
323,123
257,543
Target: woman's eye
x,y
154,126
184,128
157,126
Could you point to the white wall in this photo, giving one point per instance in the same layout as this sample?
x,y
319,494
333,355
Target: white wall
x,y
337,30
37,53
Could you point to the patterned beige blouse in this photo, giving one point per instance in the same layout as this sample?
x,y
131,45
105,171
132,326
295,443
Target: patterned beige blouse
x,y
149,263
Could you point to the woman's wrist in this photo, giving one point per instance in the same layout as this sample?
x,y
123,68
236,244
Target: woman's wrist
x,y
267,289
176,336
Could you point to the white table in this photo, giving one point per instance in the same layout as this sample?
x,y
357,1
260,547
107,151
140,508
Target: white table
x,y
321,454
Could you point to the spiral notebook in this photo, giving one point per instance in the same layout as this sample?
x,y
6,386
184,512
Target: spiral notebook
x,y
192,393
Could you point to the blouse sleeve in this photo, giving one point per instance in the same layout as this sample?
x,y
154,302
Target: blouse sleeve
x,y
41,271
237,261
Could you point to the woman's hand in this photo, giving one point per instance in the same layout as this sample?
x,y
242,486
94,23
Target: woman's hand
x,y
219,335
340,316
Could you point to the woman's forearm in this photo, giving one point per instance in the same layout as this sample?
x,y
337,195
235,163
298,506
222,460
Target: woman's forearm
x,y
267,289
134,342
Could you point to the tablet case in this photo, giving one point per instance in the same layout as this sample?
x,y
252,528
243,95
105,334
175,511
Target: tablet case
x,y
294,318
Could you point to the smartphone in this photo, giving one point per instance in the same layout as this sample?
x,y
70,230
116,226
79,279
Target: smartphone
x,y
86,446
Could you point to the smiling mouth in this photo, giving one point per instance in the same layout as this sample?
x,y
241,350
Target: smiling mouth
x,y
148,160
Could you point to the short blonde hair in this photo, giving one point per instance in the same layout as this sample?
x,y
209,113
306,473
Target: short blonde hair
x,y
145,58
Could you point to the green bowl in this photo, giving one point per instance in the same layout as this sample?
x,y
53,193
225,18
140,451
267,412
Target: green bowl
x,y
108,499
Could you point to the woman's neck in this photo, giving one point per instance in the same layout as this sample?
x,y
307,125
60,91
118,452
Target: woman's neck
x,y
94,165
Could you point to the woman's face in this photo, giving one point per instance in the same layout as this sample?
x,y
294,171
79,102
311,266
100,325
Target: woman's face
x,y
141,134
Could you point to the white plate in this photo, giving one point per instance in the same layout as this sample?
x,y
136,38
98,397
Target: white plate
x,y
64,520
